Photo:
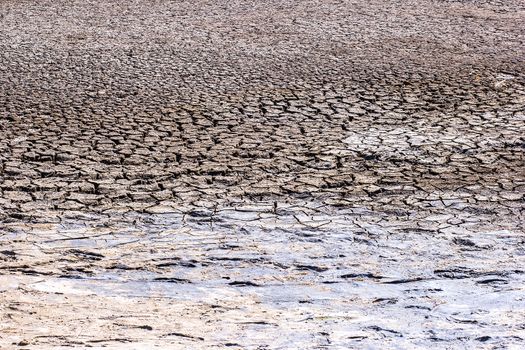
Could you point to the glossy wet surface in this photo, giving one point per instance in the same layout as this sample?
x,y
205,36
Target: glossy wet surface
x,y
262,175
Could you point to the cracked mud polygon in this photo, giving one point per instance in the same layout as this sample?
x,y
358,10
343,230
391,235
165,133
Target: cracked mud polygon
x,y
262,174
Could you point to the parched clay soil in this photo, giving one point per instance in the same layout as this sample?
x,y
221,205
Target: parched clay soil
x,y
262,174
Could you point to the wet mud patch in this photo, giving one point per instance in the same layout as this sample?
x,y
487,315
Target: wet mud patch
x,y
359,281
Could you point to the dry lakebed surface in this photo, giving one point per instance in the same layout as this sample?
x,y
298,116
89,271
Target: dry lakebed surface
x,y
271,174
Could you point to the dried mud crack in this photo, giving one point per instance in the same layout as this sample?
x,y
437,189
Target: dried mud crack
x,y
262,174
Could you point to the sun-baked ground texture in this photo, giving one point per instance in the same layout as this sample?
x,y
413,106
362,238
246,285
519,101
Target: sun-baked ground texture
x,y
262,174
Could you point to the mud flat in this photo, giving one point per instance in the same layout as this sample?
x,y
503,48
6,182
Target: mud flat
x,y
262,174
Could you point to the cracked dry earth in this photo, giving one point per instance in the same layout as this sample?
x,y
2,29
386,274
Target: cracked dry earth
x,y
262,174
